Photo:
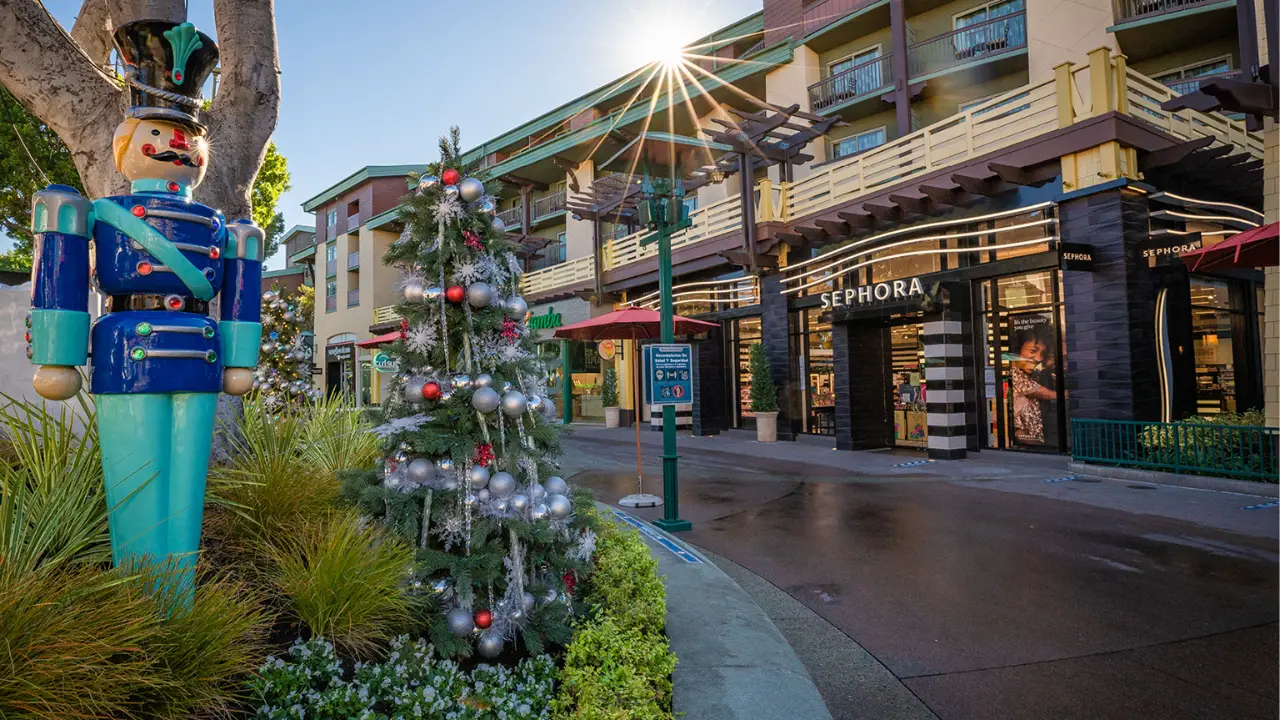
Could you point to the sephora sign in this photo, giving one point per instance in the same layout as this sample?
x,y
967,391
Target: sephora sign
x,y
864,294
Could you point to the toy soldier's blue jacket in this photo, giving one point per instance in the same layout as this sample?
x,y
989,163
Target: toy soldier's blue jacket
x,y
159,259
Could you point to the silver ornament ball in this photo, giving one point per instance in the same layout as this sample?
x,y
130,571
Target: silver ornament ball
x,y
269,296
497,225
559,506
537,493
451,190
479,295
421,470
539,512
432,293
502,484
471,500
485,400
413,390
484,494
445,465
400,456
477,476
460,621
535,402
450,482
426,182
289,316
519,502
461,382
414,291
488,207
528,601
517,307
514,404
490,644
557,486
483,380
502,505
507,387
471,189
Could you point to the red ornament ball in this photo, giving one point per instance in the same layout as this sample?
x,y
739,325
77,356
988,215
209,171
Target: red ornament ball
x,y
456,294
431,390
484,619
450,177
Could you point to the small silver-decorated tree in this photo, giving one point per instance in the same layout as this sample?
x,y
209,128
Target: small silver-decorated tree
x,y
283,376
470,465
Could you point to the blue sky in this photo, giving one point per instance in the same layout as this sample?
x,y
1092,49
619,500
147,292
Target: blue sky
x,y
378,81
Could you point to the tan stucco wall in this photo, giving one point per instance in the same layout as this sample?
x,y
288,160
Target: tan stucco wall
x,y
1065,30
886,118
579,238
789,85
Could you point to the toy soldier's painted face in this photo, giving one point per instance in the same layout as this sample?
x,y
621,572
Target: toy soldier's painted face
x,y
156,149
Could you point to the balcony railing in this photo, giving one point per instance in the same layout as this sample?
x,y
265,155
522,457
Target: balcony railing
x,y
385,315
1126,10
331,267
353,298
353,260
330,303
993,37
298,244
858,81
548,205
1192,84
353,222
512,217
573,272
822,14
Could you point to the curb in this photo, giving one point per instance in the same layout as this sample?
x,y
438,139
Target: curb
x,y
1199,482
733,662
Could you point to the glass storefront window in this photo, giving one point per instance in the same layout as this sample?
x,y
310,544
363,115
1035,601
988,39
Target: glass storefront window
x,y
819,374
746,332
910,418
1021,241
1213,344
906,266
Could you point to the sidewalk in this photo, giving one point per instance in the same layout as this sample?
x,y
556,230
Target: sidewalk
x,y
733,664
819,453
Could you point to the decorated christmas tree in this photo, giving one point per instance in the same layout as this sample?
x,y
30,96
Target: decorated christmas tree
x,y
470,469
283,375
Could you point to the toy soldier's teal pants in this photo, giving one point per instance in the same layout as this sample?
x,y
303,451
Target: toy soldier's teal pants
x,y
155,458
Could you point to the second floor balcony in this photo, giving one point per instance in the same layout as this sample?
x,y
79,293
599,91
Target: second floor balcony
x,y
331,267
826,12
971,44
353,298
546,206
1129,10
330,303
859,82
353,222
353,260
512,217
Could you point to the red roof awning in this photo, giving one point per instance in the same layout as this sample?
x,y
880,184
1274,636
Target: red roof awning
x,y
1259,247
384,339
630,324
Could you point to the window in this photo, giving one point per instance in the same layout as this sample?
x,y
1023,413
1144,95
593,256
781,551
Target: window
x,y
987,12
990,37
856,74
558,249
854,144
331,252
691,203
332,218
1216,344
331,288
1217,66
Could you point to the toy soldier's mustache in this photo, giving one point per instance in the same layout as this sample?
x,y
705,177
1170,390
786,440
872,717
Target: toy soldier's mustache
x,y
171,156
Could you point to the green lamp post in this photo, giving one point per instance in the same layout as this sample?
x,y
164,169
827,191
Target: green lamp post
x,y
662,210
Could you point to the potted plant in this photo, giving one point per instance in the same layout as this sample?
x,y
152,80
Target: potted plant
x,y
764,396
609,395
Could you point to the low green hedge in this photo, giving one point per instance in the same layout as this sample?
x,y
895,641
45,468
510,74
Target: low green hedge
x,y
619,664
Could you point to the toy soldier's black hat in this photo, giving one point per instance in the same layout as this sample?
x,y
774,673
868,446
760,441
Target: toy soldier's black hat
x,y
166,64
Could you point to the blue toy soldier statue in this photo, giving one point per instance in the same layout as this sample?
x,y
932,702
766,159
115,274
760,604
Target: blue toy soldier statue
x,y
159,360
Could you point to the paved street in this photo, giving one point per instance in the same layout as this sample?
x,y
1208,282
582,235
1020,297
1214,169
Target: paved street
x,y
998,597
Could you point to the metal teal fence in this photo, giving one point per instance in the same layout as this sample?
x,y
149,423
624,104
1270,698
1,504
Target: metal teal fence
x,y
1238,451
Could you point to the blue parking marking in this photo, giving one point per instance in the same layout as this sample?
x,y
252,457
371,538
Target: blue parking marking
x,y
1261,506
1062,479
656,536
913,463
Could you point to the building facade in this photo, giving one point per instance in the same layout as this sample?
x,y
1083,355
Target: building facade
x,y
983,247
355,224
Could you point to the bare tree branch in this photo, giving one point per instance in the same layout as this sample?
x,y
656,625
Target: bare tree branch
x,y
54,79
244,111
92,30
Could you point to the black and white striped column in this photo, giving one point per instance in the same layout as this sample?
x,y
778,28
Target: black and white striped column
x,y
949,387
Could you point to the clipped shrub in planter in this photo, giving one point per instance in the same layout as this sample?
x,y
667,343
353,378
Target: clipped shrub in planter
x,y
343,578
412,681
764,396
626,584
609,397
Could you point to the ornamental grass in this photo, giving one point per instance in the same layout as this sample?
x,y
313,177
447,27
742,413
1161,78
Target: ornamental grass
x,y
344,579
336,437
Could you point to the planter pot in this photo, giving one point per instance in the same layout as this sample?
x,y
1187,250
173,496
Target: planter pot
x,y
767,426
611,417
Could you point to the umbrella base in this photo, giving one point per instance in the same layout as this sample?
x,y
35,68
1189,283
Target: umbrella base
x,y
640,500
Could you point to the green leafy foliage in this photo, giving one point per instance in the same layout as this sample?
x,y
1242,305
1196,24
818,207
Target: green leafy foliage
x,y
271,182
619,664
343,578
1211,444
19,179
413,681
764,394
609,391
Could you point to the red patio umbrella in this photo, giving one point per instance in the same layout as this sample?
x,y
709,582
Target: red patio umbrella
x,y
631,324
1259,247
